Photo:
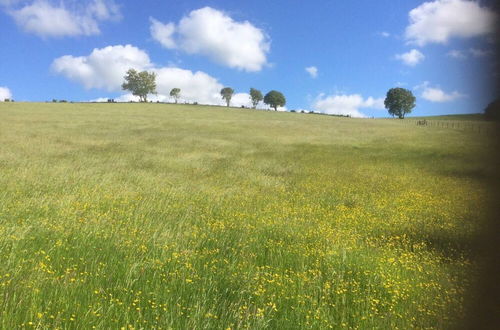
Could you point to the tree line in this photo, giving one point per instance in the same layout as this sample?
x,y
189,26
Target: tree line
x,y
143,83
398,101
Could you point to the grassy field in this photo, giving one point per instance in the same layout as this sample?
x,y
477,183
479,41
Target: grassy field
x,y
184,217
468,117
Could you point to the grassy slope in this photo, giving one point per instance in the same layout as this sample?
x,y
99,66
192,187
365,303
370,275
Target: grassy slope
x,y
190,217
468,117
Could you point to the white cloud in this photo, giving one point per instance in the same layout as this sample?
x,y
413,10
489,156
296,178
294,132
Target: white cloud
x,y
458,54
45,19
436,94
212,33
163,33
5,93
385,34
241,99
195,86
440,20
474,52
411,58
480,52
100,100
313,71
346,104
374,103
105,68
104,10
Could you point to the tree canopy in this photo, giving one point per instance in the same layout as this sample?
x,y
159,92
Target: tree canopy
x,y
227,94
275,99
175,93
140,83
255,96
399,101
492,111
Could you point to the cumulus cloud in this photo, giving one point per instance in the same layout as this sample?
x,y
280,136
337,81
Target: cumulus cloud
x,y
241,99
313,71
5,93
374,103
163,33
195,86
436,94
105,68
345,104
45,18
411,58
440,20
384,34
214,34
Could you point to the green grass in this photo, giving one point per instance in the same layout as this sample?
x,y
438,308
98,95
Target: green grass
x,y
468,117
185,217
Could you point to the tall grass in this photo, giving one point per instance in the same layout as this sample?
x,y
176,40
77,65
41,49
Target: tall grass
x,y
165,216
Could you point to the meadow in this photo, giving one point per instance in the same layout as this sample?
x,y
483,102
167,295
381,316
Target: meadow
x,y
188,217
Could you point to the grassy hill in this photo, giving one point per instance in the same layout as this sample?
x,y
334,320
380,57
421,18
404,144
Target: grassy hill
x,y
468,117
158,216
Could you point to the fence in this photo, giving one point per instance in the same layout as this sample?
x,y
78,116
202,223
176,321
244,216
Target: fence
x,y
481,127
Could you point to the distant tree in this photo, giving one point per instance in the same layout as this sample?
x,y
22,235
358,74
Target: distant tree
x,y
492,111
175,93
399,101
255,96
275,99
140,83
227,94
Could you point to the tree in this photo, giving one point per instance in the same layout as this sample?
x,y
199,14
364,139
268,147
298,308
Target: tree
x,y
140,83
399,101
255,96
275,99
227,94
492,111
175,93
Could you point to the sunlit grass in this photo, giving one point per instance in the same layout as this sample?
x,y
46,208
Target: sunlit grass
x,y
163,216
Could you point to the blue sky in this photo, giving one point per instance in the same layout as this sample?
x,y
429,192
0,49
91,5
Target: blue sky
x,y
336,57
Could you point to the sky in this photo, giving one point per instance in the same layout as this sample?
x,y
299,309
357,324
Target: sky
x,y
335,57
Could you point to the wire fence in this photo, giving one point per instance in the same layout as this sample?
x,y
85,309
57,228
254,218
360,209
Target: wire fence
x,y
481,127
